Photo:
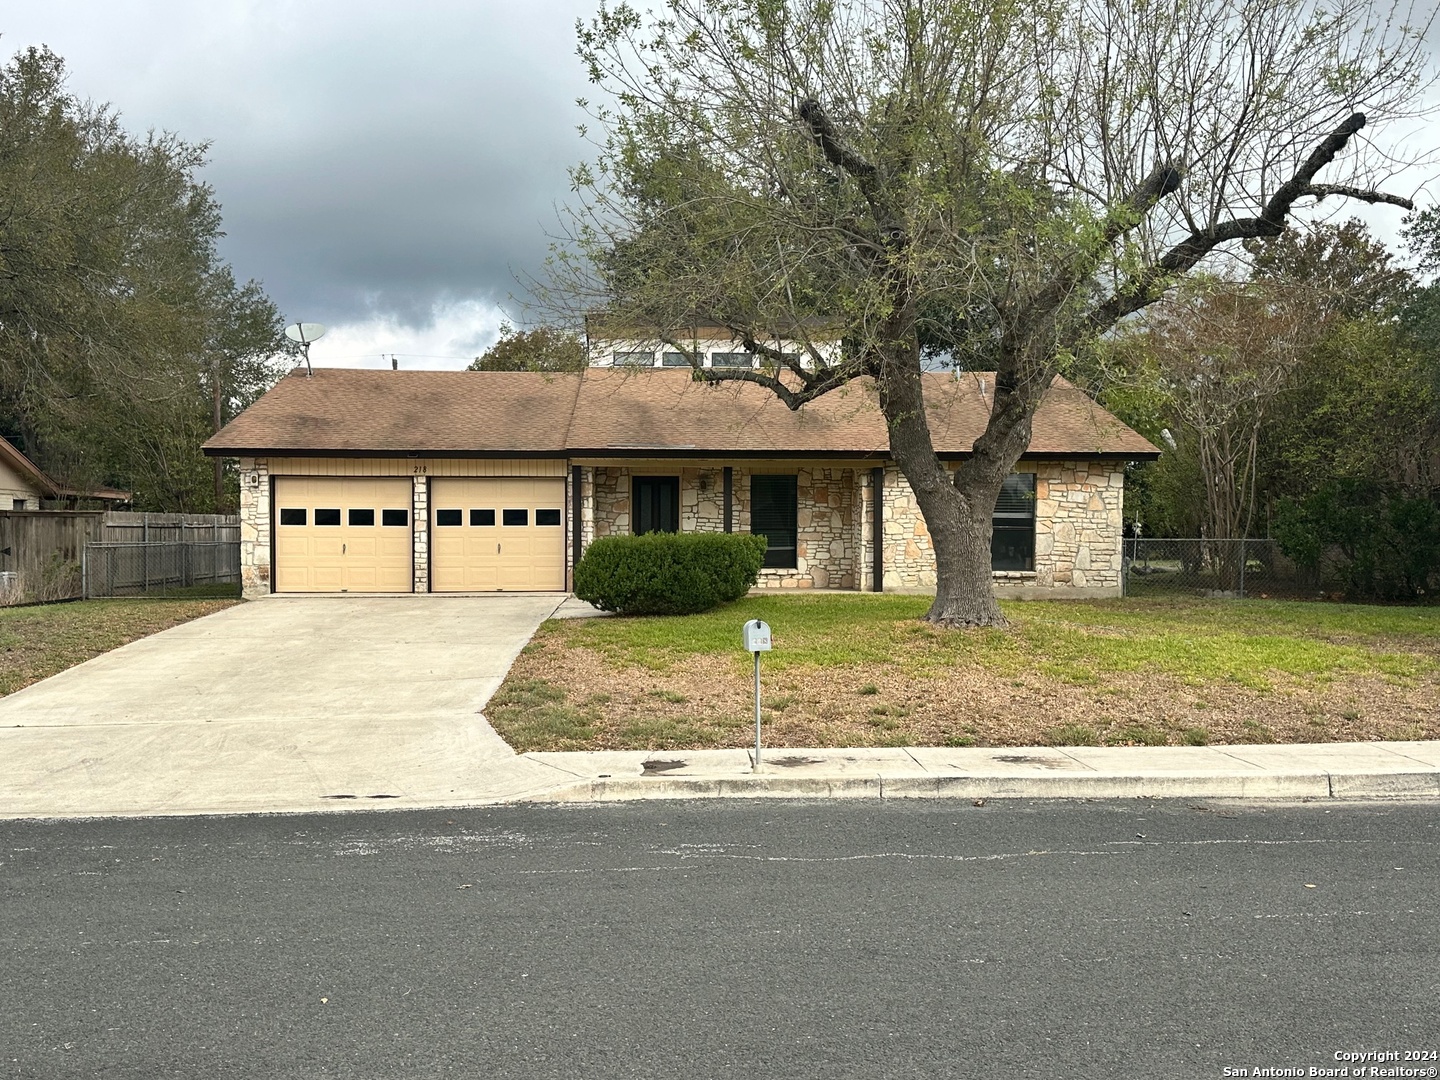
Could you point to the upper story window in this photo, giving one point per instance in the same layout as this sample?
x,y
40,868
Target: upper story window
x,y
732,360
634,359
675,359
1012,535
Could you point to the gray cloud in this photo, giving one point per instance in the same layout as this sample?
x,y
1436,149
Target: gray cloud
x,y
371,159
381,166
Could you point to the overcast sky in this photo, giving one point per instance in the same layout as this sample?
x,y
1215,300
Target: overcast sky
x,y
384,168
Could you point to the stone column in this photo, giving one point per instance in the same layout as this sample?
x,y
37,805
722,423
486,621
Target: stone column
x,y
587,507
254,528
420,526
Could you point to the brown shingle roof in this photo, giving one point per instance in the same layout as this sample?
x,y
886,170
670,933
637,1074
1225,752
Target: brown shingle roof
x,y
340,409
623,412
45,485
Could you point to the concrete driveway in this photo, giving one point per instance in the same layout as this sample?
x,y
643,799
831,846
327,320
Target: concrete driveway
x,y
287,703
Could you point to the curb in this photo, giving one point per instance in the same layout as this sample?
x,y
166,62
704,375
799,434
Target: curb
x,y
1299,785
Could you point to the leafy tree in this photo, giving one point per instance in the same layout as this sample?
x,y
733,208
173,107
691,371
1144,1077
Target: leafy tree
x,y
545,348
1342,394
120,328
1390,540
1341,270
1006,181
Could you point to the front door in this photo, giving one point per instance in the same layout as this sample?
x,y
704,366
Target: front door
x,y
657,504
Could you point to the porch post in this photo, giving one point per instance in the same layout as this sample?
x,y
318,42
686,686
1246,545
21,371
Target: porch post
x,y
877,527
729,499
576,503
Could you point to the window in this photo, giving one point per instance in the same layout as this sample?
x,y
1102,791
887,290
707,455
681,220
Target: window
x,y
731,359
292,515
547,517
17,504
327,517
482,517
395,517
447,517
362,517
1012,539
657,504
674,359
515,517
634,359
772,515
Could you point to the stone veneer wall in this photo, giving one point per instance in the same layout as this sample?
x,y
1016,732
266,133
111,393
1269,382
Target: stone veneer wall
x,y
608,490
420,532
254,527
1078,524
827,550
1077,541
826,519
1078,508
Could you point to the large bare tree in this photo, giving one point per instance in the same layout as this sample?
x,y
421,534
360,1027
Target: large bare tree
x,y
1002,181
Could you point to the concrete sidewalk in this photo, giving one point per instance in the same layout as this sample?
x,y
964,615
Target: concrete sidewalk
x,y
1295,771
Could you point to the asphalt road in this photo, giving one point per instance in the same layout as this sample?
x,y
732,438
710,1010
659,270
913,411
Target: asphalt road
x,y
711,939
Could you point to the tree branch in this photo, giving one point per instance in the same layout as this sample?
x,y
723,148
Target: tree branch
x,y
1319,191
816,383
866,173
836,152
1147,286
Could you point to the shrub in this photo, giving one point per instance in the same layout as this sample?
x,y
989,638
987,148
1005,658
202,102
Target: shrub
x,y
1390,539
668,573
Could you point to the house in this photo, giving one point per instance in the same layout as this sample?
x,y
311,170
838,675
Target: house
x,y
23,484
707,344
433,481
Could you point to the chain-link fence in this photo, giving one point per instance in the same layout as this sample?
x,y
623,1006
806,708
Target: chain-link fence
x,y
161,569
1201,567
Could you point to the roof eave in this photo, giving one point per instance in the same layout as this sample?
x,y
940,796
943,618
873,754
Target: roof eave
x,y
374,452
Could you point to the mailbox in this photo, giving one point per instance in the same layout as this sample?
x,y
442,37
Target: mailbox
x,y
757,636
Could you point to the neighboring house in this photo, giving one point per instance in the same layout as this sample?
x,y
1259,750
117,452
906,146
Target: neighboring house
x,y
610,345
23,484
428,481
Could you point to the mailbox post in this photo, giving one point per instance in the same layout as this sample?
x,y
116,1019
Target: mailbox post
x,y
756,636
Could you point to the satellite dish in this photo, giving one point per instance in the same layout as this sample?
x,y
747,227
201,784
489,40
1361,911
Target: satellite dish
x,y
305,332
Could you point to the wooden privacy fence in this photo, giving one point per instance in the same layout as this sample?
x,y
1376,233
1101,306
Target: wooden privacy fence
x,y
124,527
43,552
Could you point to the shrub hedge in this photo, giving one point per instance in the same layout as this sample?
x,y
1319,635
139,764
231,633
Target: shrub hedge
x,y
668,573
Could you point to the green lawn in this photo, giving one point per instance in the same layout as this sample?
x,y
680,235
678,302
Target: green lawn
x,y
1196,640
37,642
1235,670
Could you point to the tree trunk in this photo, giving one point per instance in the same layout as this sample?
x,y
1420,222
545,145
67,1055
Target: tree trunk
x,y
957,513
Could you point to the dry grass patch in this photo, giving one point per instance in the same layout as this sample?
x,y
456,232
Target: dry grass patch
x,y
37,642
862,671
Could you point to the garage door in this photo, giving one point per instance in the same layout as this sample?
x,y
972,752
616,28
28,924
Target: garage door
x,y
496,535
342,534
